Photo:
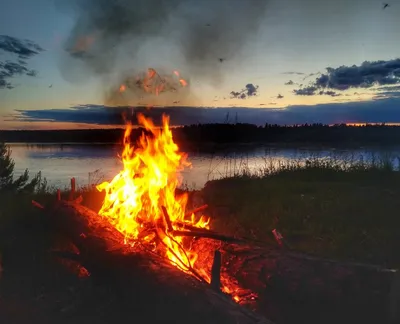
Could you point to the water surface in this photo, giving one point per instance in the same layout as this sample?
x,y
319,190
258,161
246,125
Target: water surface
x,y
96,162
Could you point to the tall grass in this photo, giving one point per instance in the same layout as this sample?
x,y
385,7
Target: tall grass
x,y
341,208
233,167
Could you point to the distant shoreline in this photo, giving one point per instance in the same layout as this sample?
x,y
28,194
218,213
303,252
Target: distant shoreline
x,y
217,136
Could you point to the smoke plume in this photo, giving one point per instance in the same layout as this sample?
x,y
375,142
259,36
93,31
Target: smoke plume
x,y
115,39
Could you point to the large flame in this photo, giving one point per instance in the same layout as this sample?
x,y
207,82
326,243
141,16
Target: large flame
x,y
135,198
141,201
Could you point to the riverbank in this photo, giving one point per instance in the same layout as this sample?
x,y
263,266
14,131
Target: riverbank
x,y
326,208
329,209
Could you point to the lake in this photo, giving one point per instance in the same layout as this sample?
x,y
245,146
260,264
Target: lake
x,y
96,162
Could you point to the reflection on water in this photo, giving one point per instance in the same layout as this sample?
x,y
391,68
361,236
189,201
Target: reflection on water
x,y
60,162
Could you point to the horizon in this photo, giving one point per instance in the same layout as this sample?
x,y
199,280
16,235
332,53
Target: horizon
x,y
290,64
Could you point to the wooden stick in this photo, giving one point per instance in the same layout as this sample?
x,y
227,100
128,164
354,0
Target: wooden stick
x,y
78,200
58,195
196,210
192,228
167,219
216,271
210,235
72,193
37,205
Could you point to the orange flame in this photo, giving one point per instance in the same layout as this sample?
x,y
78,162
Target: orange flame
x,y
183,82
135,198
122,88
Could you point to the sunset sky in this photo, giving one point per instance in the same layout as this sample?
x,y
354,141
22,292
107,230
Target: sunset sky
x,y
288,42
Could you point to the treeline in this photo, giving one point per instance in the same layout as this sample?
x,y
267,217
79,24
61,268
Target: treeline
x,y
195,135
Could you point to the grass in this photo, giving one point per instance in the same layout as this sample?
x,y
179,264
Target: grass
x,y
337,209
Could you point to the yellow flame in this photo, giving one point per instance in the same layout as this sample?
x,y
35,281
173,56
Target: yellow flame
x,y
135,198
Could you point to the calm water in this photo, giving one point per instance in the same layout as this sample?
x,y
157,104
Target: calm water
x,y
94,163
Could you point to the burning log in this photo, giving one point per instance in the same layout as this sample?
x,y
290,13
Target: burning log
x,y
196,210
208,234
167,219
144,279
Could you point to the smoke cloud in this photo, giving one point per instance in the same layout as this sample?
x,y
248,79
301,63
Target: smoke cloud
x,y
115,39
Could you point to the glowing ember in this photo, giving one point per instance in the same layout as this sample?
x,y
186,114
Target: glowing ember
x,y
122,88
142,204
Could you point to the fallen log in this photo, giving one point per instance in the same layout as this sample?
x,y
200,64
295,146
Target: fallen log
x,y
293,286
154,289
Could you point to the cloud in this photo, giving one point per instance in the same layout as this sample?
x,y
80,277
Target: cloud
x,y
24,49
290,82
367,75
279,96
306,91
249,91
330,93
374,111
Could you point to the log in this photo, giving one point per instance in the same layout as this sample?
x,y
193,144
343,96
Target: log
x,y
216,271
167,219
295,287
196,210
155,290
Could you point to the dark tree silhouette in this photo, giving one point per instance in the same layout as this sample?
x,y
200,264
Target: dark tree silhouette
x,y
21,183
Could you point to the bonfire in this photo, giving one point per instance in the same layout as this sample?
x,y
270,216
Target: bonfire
x,y
141,201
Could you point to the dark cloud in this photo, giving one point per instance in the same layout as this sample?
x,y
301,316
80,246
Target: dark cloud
x,y
389,88
200,32
290,82
306,91
279,96
330,93
24,49
249,91
366,75
375,111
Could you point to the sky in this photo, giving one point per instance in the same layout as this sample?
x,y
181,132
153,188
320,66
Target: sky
x,y
282,61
